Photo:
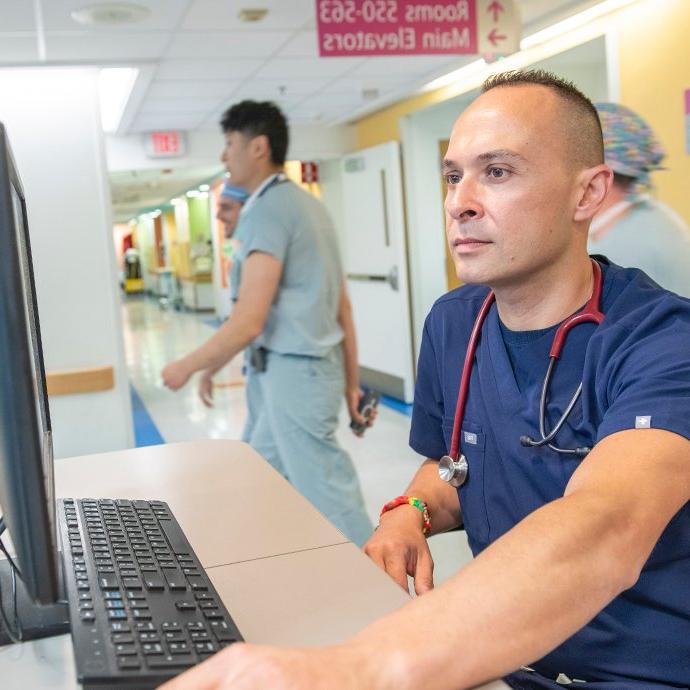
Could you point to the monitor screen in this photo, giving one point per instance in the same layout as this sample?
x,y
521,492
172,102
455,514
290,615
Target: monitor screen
x,y
26,459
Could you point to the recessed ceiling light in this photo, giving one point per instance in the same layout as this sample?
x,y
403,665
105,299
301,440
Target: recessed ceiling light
x,y
252,14
111,14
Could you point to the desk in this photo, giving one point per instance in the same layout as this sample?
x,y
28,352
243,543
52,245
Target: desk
x,y
274,559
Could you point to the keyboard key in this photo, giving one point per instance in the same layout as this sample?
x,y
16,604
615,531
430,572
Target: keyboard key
x,y
211,614
132,583
154,581
117,615
114,604
152,648
149,637
112,595
141,614
196,625
175,579
128,662
170,661
203,596
108,581
185,606
145,626
125,650
206,647
119,627
122,638
171,627
175,536
87,616
178,647
174,637
211,604
199,636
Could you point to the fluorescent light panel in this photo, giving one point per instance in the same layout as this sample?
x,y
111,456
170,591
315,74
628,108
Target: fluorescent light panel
x,y
115,86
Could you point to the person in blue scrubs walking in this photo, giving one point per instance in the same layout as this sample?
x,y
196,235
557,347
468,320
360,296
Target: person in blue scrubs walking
x,y
582,543
293,314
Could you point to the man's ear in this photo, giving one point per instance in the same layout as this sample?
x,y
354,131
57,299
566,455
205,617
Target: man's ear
x,y
594,185
260,147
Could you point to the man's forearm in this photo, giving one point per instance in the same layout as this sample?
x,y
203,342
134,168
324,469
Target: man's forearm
x,y
524,595
440,497
349,348
232,337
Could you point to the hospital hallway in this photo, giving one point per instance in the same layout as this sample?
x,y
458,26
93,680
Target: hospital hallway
x,y
155,335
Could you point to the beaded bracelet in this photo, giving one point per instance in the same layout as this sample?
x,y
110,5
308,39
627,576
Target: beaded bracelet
x,y
420,505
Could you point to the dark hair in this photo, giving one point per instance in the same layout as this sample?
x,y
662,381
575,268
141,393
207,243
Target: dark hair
x,y
255,119
585,124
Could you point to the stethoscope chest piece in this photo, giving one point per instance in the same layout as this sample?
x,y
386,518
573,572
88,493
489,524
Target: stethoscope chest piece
x,y
453,471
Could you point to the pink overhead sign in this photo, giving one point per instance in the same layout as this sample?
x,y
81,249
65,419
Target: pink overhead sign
x,y
396,27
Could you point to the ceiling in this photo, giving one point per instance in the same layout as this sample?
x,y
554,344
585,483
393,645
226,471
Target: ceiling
x,y
197,58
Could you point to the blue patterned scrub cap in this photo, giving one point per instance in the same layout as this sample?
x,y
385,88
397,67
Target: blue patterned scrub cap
x,y
229,191
630,146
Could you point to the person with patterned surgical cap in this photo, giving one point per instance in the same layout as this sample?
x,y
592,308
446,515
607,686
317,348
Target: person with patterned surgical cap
x,y
632,228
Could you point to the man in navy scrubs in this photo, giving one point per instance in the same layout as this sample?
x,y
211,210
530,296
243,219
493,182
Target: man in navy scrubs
x,y
582,568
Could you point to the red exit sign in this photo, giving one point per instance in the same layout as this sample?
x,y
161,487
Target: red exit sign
x,y
166,144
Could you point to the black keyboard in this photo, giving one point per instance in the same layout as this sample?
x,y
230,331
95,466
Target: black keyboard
x,y
142,609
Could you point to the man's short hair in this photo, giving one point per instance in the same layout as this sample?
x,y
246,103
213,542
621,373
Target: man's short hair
x,y
582,124
254,119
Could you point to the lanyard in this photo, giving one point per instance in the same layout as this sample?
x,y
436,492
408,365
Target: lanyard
x,y
271,180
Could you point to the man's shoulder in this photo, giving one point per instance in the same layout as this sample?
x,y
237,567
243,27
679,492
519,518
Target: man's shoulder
x,y
459,306
463,297
634,302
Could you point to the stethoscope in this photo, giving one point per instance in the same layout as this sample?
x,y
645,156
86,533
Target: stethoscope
x,y
453,468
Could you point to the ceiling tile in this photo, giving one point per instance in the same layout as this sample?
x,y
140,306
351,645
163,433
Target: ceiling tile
x,y
208,89
153,106
147,123
206,69
303,44
407,67
285,88
14,49
244,44
17,16
82,46
223,14
165,15
303,68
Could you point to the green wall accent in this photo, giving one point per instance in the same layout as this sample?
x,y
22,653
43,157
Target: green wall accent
x,y
199,219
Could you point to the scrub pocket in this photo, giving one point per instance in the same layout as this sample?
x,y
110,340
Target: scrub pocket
x,y
472,496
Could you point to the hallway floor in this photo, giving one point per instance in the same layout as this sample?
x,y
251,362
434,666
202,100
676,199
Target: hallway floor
x,y
155,336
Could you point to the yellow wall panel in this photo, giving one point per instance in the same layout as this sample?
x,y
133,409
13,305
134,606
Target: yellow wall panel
x,y
654,52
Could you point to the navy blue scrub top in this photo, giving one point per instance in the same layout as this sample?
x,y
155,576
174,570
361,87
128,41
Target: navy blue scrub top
x,y
635,365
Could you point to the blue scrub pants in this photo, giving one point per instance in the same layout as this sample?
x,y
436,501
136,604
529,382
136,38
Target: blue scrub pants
x,y
293,411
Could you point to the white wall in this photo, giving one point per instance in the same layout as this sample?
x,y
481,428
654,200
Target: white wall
x,y
54,127
205,146
421,132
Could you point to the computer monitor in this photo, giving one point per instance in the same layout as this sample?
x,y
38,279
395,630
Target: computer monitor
x,y
26,458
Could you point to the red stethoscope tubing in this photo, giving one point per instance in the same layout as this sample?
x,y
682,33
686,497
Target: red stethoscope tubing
x,y
590,313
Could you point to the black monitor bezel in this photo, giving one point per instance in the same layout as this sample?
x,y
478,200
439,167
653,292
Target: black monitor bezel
x,y
24,496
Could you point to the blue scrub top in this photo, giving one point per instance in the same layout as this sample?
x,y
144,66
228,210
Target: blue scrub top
x,y
636,364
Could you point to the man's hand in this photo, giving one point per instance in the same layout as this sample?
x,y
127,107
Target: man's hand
x,y
353,396
176,374
399,547
206,388
251,667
